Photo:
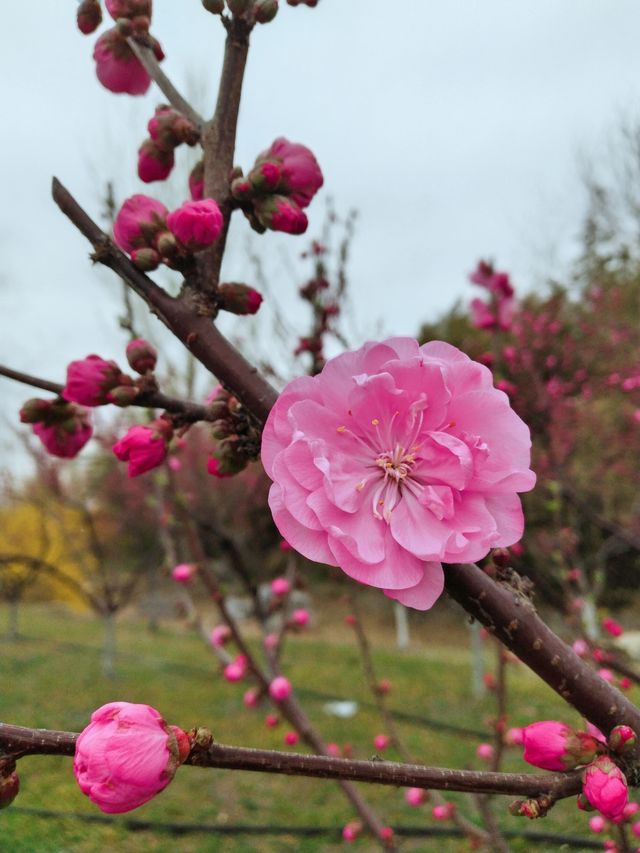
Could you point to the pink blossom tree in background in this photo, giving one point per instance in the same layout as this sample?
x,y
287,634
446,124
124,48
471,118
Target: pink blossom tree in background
x,y
399,463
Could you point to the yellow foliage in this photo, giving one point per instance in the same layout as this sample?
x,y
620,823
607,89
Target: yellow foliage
x,y
51,533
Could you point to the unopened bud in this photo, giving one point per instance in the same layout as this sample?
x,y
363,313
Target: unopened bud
x,y
501,557
34,410
221,429
141,355
238,7
622,739
241,188
9,787
89,16
123,395
265,177
141,23
167,244
239,298
216,7
146,259
265,11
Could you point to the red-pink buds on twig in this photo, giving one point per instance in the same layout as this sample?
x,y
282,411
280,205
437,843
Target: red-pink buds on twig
x,y
63,428
497,314
552,745
622,739
351,831
381,742
154,163
280,587
220,635
196,224
142,356
612,627
117,67
91,381
605,787
127,755
265,11
9,787
138,223
280,688
216,7
182,573
144,447
279,213
238,298
89,16
416,796
167,130
128,8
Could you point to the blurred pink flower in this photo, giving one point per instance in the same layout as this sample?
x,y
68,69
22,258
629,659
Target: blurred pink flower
x,y
397,457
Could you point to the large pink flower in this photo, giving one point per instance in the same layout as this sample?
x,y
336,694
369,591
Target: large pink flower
x,y
397,457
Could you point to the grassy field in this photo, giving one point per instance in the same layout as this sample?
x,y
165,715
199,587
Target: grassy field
x,y
51,678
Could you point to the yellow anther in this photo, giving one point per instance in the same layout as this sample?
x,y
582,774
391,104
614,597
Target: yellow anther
x,y
375,422
341,428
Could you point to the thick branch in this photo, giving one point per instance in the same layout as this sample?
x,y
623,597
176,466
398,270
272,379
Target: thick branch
x,y
153,69
195,331
20,741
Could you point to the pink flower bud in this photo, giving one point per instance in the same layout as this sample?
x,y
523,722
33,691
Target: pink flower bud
x,y
9,788
141,355
220,468
216,7
635,828
383,686
90,380
310,3
607,675
630,809
580,647
128,8
138,222
300,175
144,447
154,163
597,823
444,812
264,177
196,181
625,683
514,736
280,587
234,671
280,688
280,213
89,16
612,627
333,750
63,428
351,831
622,739
182,573
250,699
238,7
127,755
485,751
552,745
605,786
271,720
300,618
415,796
196,224
239,298
270,641
117,67
265,11
291,738
381,742
386,833
146,259
220,635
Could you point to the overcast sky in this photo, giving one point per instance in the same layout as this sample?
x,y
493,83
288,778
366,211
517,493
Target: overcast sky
x,y
454,128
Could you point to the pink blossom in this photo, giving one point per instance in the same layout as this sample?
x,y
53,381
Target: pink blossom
x,y
220,635
351,831
90,380
333,749
514,736
381,742
89,16
444,812
138,222
280,213
415,796
63,428
607,675
552,745
482,317
485,751
182,573
580,647
117,67
154,163
612,627
605,786
144,447
128,8
127,755
394,458
250,699
300,617
299,175
597,823
280,688
271,720
141,355
196,224
235,671
291,738
280,587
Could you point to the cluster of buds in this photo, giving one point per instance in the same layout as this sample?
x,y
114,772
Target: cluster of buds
x,y
93,381
237,436
150,235
167,130
324,305
497,313
127,755
63,427
144,447
117,66
280,185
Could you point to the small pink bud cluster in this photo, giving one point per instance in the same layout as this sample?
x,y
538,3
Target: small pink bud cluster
x,y
281,184
280,587
127,755
167,130
234,433
497,313
552,745
63,427
93,381
150,235
260,12
144,447
117,66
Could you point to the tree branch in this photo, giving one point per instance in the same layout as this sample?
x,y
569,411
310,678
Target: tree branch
x,y
19,741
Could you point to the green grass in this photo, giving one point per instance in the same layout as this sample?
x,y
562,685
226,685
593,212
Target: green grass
x,y
52,679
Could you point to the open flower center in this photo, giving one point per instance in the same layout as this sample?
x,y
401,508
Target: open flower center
x,y
395,466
